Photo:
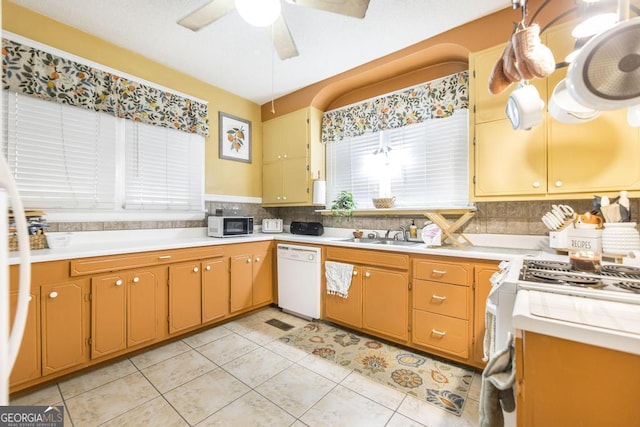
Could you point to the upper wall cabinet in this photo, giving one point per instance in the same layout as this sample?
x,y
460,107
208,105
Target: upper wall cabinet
x,y
292,155
554,159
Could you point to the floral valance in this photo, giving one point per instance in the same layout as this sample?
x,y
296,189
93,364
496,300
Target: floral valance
x,y
38,73
435,99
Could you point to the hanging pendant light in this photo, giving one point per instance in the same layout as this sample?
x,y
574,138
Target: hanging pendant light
x,y
259,13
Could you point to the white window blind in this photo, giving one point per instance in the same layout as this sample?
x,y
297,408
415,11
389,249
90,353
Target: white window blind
x,y
61,156
425,165
69,159
163,168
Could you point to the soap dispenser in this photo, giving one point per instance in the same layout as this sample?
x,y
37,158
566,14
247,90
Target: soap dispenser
x,y
413,230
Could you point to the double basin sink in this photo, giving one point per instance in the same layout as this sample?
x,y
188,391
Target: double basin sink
x,y
381,241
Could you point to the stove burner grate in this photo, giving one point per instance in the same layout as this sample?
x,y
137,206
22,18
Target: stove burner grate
x,y
549,265
629,286
566,279
617,270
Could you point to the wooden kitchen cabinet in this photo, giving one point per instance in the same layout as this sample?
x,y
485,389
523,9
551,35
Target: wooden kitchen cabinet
x,y
602,155
292,155
65,318
251,276
554,159
566,383
28,361
482,286
378,296
442,307
198,292
125,310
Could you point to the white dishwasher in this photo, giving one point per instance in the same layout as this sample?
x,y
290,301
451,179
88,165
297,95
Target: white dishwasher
x,y
299,278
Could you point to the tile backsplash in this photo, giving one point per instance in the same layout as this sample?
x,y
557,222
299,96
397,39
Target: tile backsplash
x,y
491,217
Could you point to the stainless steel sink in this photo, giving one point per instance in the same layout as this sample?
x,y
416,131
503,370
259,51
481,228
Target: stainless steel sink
x,y
389,242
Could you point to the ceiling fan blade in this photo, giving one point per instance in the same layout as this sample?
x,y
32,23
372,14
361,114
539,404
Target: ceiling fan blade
x,y
282,40
354,8
207,14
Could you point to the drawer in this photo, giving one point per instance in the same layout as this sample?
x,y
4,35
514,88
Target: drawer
x,y
126,261
438,271
441,298
364,257
447,334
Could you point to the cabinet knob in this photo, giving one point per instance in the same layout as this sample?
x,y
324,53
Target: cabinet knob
x,y
284,197
355,273
136,279
195,269
536,184
119,282
558,183
438,333
279,156
208,267
278,198
367,274
285,156
248,260
30,298
53,294
258,259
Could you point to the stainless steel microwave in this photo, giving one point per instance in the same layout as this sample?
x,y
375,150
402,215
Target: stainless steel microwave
x,y
229,226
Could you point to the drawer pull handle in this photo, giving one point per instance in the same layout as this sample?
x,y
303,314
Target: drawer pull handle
x,y
53,294
441,272
438,297
164,257
119,282
438,333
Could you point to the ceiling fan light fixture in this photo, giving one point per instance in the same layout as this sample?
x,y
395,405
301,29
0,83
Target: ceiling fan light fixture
x,y
259,13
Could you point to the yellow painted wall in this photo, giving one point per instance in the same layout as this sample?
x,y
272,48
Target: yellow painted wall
x,y
225,177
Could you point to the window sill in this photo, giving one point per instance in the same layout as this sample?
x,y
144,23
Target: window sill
x,y
403,211
96,216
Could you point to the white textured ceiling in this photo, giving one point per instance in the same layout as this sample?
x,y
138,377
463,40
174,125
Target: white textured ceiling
x,y
239,58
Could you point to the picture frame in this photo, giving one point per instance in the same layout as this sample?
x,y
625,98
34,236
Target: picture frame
x,y
234,138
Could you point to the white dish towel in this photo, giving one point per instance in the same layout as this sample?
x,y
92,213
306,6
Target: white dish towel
x,y
338,277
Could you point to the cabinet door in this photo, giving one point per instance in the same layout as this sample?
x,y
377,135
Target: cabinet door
x,y
295,180
348,310
262,292
63,325
215,289
142,308
598,156
296,135
385,302
241,286
482,276
185,305
491,107
509,162
108,315
272,183
27,366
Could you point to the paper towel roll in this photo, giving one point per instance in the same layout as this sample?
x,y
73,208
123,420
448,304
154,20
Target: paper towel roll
x,y
319,192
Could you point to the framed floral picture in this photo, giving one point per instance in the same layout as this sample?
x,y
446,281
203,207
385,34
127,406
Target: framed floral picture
x,y
234,138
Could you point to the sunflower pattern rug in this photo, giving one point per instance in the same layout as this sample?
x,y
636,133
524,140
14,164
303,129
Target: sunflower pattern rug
x,y
442,384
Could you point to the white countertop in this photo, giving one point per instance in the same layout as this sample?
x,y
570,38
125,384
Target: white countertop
x,y
601,323
98,243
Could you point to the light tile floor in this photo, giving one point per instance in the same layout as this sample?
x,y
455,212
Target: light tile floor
x,y
238,374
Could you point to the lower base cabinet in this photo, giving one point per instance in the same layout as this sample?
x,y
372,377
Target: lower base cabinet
x,y
251,276
65,320
347,311
125,310
27,366
566,383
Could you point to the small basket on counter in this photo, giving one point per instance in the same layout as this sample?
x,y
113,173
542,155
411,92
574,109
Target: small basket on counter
x,y
36,241
384,202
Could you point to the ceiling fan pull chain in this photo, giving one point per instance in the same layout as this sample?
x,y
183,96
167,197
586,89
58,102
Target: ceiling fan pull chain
x,y
273,108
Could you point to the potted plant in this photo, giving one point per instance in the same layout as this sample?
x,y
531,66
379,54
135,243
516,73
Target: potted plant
x,y
343,205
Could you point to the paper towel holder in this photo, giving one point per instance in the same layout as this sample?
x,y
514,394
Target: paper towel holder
x,y
319,191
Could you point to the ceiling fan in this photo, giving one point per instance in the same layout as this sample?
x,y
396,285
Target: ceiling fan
x,y
282,39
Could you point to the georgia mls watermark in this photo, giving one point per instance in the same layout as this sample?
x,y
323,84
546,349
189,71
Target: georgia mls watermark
x,y
31,416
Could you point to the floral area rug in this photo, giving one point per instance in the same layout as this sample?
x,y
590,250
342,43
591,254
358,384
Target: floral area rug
x,y
442,384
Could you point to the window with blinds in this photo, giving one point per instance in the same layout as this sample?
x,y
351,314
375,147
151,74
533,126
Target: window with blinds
x,y
422,165
68,158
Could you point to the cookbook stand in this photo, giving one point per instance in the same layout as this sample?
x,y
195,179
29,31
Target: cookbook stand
x,y
450,229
